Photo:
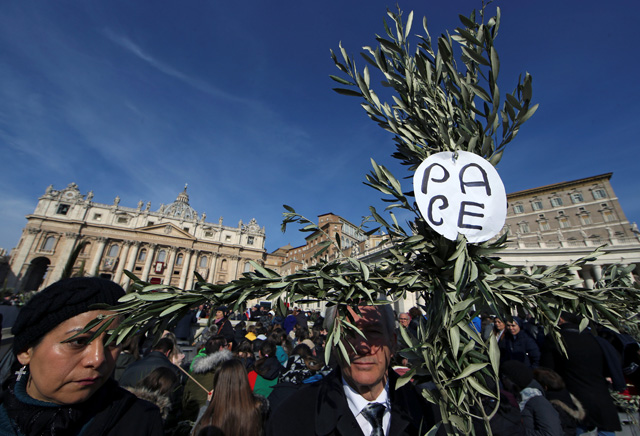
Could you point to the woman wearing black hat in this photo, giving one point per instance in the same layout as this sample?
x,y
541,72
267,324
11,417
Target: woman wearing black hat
x,y
64,386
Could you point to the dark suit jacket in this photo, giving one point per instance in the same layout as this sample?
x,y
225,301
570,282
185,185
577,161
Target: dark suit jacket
x,y
322,409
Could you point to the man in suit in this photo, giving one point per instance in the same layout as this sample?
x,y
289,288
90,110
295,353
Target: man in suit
x,y
360,396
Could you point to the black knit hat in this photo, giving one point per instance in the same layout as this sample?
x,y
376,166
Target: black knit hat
x,y
59,302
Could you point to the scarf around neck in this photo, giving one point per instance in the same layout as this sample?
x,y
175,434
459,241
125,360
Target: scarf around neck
x,y
32,417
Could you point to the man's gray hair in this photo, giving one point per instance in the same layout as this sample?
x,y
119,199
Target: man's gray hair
x,y
388,317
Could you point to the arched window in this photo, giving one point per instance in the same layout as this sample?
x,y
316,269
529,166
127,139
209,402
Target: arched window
x,y
162,255
113,251
179,259
203,261
247,267
142,256
49,243
223,265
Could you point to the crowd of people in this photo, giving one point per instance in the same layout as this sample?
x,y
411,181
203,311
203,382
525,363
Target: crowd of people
x,y
264,374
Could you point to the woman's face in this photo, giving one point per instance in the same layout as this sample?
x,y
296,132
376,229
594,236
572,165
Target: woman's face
x,y
498,324
70,372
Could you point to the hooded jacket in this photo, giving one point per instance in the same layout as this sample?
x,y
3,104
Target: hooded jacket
x,y
538,415
265,375
161,401
569,409
203,370
520,347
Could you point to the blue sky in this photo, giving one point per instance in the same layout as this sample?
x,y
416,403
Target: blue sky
x,y
137,98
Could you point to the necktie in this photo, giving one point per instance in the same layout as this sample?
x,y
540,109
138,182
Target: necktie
x,y
373,412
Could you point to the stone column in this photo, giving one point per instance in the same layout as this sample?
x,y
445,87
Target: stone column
x,y
122,260
95,263
577,275
170,265
588,279
70,242
597,272
212,267
131,262
147,264
192,268
235,268
18,261
185,268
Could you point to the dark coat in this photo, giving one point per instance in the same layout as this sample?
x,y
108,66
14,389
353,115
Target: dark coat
x,y
520,347
122,362
183,328
289,322
569,409
120,413
539,416
301,320
226,329
321,409
584,375
143,367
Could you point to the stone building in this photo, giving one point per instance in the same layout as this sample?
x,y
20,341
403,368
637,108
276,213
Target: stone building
x,y
332,226
558,223
164,246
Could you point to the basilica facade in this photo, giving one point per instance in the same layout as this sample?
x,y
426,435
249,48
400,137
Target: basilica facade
x,y
69,230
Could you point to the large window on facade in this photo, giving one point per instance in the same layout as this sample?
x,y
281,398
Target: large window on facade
x,y
536,205
86,249
62,209
563,222
249,240
608,216
223,265
113,251
203,261
162,256
599,193
524,227
49,243
142,256
247,267
576,197
556,202
544,225
585,219
518,208
179,259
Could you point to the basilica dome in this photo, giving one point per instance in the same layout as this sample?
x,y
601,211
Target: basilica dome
x,y
180,208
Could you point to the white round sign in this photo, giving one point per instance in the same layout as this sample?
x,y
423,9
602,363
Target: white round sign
x,y
461,195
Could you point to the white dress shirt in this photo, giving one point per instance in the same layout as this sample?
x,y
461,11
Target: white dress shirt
x,y
357,403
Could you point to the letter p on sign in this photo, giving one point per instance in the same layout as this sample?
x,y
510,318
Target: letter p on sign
x,y
463,195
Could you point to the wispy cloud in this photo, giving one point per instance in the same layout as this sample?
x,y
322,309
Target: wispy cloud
x,y
196,83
